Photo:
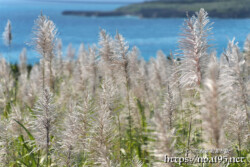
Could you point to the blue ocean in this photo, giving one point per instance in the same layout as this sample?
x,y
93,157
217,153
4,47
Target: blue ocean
x,y
149,35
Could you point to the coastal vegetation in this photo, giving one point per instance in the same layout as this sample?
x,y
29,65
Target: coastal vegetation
x,y
104,105
171,8
177,8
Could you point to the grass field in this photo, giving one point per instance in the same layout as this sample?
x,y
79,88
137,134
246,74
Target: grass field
x,y
106,106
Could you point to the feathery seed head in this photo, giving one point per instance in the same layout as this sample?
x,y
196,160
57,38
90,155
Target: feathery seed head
x,y
213,111
122,47
45,36
23,61
194,46
107,47
7,34
45,112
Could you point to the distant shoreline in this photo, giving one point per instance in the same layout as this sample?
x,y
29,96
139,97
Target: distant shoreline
x,y
82,2
146,14
175,9
93,2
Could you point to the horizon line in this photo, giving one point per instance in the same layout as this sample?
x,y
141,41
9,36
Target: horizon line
x,y
82,1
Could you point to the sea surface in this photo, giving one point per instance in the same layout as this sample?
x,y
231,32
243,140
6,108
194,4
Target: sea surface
x,y
149,35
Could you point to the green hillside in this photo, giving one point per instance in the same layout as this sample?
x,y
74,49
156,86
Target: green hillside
x,y
178,8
